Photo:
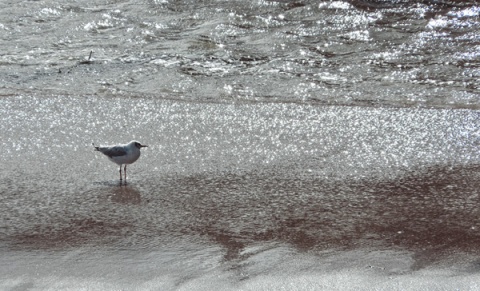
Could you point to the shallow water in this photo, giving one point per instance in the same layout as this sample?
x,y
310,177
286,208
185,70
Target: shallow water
x,y
292,145
231,189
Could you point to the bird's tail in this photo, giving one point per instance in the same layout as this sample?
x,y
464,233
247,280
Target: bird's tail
x,y
96,148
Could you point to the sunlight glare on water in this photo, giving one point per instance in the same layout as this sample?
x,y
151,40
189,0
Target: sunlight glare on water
x,y
212,136
292,145
264,146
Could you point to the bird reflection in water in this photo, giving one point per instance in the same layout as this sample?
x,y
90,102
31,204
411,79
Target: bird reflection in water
x,y
125,195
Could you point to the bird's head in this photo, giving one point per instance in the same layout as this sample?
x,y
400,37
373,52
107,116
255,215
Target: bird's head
x,y
139,145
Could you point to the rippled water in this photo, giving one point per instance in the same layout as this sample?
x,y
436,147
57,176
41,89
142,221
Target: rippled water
x,y
292,145
398,53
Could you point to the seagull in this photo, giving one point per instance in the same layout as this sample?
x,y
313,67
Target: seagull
x,y
123,154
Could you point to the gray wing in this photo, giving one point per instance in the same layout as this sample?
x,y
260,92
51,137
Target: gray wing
x,y
115,151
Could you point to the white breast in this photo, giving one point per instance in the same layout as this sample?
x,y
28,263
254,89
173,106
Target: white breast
x,y
132,155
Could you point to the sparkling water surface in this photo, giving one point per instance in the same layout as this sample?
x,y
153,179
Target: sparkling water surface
x,y
328,145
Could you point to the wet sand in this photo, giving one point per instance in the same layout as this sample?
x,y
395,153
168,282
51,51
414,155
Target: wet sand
x,y
219,199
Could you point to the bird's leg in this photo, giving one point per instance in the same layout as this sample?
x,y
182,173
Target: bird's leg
x,y
120,172
125,172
